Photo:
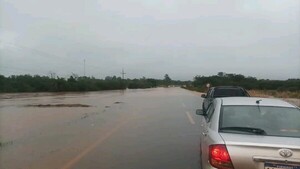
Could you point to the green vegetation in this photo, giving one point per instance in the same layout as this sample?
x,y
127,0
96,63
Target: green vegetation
x,y
2,144
28,83
290,87
249,83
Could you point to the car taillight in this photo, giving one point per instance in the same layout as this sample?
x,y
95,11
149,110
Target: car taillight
x,y
219,157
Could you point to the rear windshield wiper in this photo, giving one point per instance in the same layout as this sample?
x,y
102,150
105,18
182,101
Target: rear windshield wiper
x,y
246,129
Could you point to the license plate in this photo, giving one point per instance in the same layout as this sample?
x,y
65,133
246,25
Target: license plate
x,y
281,166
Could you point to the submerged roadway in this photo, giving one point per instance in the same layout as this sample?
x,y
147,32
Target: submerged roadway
x,y
133,129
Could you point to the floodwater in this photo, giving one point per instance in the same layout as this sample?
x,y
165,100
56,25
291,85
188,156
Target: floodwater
x,y
20,116
132,129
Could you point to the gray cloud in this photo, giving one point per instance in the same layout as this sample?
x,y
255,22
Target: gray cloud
x,y
151,37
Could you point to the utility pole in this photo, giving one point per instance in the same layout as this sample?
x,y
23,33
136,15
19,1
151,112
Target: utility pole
x,y
83,67
123,82
123,73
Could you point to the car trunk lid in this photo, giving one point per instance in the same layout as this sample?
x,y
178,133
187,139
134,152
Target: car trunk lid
x,y
262,152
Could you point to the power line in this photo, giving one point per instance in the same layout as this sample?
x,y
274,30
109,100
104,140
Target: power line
x,y
48,55
51,56
20,70
56,58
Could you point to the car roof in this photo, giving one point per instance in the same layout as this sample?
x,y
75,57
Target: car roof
x,y
251,101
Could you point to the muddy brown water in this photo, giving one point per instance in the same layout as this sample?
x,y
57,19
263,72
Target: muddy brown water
x,y
49,131
129,129
23,112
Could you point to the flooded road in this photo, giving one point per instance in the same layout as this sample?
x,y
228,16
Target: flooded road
x,y
132,129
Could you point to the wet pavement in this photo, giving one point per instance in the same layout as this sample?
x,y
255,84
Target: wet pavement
x,y
132,129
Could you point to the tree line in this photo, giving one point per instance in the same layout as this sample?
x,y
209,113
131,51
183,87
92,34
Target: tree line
x,y
36,83
224,79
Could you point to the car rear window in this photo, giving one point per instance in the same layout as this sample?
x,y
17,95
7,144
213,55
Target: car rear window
x,y
275,121
229,92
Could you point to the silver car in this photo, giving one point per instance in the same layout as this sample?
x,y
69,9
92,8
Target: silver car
x,y
250,133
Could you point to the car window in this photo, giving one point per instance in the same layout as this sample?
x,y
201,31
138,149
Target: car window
x,y
275,121
229,92
246,93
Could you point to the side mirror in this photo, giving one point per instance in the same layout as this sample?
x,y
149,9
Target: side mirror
x,y
203,95
200,112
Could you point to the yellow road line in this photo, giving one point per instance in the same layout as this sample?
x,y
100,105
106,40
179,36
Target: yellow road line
x,y
104,137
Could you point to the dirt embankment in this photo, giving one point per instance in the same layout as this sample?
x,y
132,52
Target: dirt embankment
x,y
275,93
291,97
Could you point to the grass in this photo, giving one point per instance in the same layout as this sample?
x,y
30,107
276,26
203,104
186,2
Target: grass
x,y
291,97
2,144
257,93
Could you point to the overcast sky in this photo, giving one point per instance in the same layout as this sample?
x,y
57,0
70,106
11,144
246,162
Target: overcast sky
x,y
150,38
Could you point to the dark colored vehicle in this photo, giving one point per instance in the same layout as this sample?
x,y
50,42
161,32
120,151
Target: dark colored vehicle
x,y
222,91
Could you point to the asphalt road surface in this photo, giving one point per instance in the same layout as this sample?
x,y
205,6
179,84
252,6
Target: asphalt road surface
x,y
132,129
